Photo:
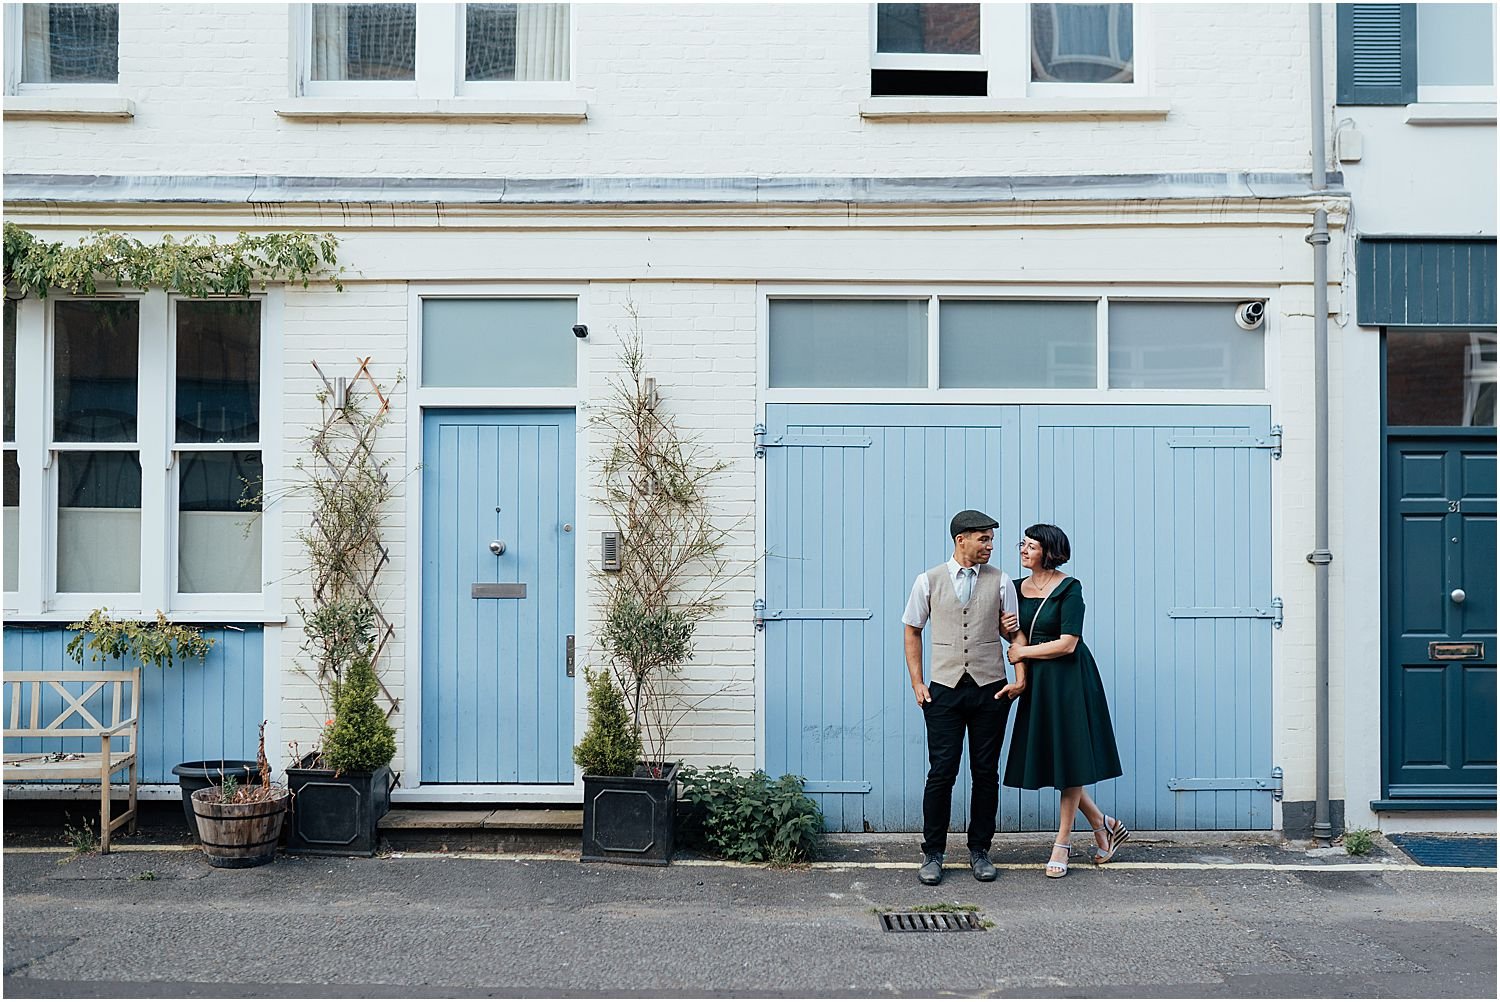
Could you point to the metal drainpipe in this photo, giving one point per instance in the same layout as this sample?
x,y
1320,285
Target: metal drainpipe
x,y
1320,557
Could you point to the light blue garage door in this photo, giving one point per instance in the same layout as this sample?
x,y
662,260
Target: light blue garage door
x,y
1168,509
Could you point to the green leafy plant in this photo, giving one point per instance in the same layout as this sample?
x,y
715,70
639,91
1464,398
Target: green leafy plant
x,y
195,266
154,644
1359,841
145,875
611,746
751,818
360,739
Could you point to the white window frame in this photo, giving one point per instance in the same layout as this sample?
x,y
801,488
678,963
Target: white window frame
x,y
36,596
270,458
1005,54
1100,393
440,60
15,40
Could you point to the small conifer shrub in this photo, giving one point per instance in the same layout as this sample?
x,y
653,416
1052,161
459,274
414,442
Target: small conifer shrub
x,y
360,739
611,746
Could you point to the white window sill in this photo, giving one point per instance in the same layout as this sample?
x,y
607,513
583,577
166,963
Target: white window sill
x,y
238,616
1475,113
450,109
63,107
971,109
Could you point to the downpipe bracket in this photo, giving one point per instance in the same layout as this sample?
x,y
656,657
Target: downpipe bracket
x,y
1317,557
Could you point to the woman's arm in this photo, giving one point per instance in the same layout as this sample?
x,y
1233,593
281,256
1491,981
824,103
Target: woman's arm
x,y
1059,648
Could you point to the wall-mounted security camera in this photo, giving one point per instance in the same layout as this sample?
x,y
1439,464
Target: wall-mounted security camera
x,y
580,331
1250,315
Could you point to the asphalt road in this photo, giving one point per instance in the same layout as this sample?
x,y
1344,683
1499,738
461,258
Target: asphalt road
x,y
163,924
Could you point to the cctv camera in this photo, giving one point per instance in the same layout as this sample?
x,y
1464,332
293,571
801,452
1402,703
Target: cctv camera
x,y
580,331
1250,315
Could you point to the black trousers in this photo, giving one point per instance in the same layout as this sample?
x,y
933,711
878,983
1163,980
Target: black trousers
x,y
970,709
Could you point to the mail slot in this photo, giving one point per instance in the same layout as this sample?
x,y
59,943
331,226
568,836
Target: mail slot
x,y
498,590
1440,651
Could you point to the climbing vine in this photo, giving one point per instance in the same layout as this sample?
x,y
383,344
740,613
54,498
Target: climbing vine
x,y
193,266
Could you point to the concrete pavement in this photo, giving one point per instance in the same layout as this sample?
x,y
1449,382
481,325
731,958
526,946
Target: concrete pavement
x,y
1202,916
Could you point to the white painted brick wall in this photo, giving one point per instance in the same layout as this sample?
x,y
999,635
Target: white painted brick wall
x,y
682,90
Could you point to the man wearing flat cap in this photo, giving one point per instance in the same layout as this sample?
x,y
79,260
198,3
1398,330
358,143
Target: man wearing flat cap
x,y
970,605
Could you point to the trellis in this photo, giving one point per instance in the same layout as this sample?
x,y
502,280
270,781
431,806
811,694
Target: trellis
x,y
347,554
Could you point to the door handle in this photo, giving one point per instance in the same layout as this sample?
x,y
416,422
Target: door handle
x,y
1458,596
497,547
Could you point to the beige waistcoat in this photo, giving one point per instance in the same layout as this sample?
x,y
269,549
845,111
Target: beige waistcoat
x,y
966,638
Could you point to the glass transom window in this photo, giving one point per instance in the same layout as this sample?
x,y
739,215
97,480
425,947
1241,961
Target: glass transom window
x,y
499,342
848,342
1017,343
1183,346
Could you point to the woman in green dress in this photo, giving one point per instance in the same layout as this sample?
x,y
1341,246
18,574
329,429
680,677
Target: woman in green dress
x,y
1063,737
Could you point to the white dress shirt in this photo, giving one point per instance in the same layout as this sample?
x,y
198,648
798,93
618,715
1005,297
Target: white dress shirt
x,y
919,605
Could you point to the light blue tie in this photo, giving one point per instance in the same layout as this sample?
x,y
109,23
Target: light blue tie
x,y
965,584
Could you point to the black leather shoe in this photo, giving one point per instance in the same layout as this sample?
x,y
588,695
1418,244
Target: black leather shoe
x,y
979,862
931,872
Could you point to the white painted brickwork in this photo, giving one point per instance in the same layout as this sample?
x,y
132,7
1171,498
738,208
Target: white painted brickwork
x,y
682,90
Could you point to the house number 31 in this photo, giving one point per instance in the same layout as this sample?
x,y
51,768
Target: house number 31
x,y
1454,505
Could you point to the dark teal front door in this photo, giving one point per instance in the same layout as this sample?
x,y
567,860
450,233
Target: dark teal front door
x,y
1440,683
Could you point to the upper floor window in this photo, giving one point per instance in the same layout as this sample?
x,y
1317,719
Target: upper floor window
x,y
1001,50
1455,52
1399,53
435,50
63,43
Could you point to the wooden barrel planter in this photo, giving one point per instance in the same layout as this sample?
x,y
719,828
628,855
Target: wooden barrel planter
x,y
239,835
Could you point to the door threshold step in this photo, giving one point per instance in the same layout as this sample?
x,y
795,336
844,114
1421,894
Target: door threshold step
x,y
420,819
482,830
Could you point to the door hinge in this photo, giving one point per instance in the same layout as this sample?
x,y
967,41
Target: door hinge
x,y
1273,612
762,615
1271,441
1263,784
570,648
763,442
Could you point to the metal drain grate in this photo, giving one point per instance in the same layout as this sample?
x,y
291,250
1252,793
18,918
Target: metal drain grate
x,y
932,921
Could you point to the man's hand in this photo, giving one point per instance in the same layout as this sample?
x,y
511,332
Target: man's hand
x,y
919,690
1010,622
1012,690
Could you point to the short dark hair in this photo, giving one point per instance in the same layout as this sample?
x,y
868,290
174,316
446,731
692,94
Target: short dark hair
x,y
1055,548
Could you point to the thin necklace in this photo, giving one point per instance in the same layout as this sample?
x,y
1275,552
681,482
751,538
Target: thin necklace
x,y
1050,582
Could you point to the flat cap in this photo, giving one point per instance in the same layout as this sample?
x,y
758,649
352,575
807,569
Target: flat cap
x,y
970,520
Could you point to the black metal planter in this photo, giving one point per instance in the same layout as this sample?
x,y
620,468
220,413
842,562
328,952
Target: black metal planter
x,y
630,819
336,816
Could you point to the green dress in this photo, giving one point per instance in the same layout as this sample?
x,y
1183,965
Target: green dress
x,y
1062,736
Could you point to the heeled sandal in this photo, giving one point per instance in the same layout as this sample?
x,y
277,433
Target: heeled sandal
x,y
1054,868
1114,829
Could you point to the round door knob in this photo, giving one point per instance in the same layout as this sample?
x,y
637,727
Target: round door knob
x,y
567,527
497,547
1458,596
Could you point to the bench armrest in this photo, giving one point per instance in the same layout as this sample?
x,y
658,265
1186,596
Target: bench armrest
x,y
119,728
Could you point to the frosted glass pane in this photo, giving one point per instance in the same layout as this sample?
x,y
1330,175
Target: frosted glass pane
x,y
1082,42
1456,44
10,370
847,342
98,522
1183,346
12,519
218,531
499,342
95,357
948,28
1035,344
218,371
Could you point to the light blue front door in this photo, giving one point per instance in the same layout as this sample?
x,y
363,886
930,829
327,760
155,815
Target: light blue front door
x,y
497,699
1169,513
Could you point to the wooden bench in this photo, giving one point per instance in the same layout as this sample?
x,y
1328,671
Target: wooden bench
x,y
77,688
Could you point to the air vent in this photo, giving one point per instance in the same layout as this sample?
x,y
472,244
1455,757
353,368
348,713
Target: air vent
x,y
609,550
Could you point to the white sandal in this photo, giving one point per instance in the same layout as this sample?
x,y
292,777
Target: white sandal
x,y
1054,868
